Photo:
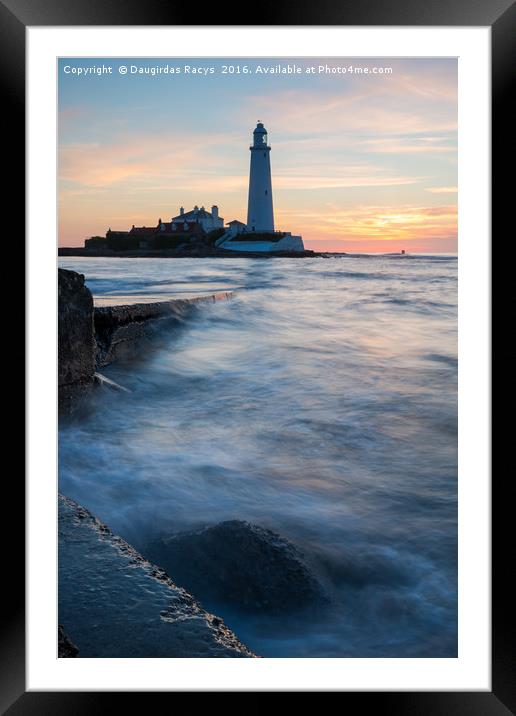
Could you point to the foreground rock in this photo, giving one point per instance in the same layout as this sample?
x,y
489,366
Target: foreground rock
x,y
65,648
76,341
242,565
114,603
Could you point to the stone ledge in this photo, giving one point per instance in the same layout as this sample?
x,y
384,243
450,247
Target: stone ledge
x,y
114,603
119,329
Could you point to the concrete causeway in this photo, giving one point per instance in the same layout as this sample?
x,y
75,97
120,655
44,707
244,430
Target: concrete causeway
x,y
114,603
121,323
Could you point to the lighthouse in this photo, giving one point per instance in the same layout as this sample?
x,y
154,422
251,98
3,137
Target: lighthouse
x,y
260,215
258,235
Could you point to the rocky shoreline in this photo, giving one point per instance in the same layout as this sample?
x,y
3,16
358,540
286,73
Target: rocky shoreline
x,y
115,601
91,337
194,252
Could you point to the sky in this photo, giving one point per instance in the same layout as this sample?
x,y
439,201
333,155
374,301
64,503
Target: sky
x,y
360,161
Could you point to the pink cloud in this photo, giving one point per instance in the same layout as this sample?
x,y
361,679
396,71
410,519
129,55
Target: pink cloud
x,y
144,156
442,189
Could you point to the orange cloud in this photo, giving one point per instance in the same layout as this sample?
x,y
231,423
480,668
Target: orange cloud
x,y
380,224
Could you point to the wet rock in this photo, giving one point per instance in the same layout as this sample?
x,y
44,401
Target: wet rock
x,y
115,603
239,564
65,647
76,342
76,350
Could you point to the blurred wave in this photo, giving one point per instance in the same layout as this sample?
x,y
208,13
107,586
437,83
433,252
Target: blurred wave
x,y
317,405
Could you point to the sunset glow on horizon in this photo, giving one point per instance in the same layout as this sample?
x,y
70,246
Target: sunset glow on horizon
x,y
360,163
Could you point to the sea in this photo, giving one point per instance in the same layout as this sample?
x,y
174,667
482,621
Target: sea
x,y
319,402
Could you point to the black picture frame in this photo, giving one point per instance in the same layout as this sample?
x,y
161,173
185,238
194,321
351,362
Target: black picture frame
x,y
500,15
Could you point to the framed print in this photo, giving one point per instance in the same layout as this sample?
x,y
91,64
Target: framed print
x,y
258,270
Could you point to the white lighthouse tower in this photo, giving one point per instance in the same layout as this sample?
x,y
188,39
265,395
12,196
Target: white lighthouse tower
x,y
260,215
258,235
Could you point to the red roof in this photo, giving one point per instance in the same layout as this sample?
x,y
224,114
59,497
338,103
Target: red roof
x,y
166,227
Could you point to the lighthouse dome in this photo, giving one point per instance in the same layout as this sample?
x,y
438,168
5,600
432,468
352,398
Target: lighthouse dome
x,y
259,135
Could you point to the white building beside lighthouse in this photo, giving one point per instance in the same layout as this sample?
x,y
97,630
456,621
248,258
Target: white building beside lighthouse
x,y
259,235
